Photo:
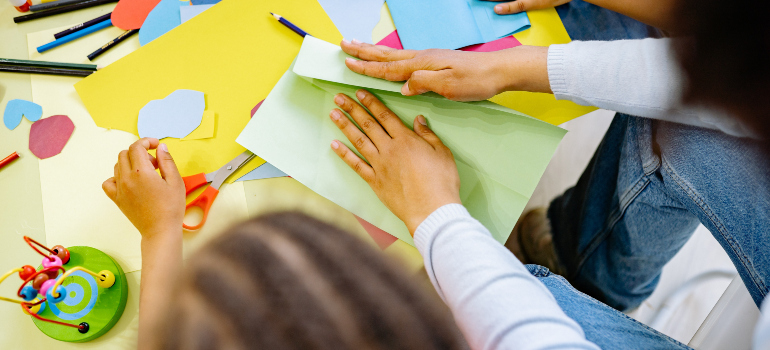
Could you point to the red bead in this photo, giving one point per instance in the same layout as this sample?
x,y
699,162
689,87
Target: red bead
x,y
62,253
26,272
38,281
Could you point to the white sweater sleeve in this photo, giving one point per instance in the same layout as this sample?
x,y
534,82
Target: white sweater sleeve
x,y
496,302
636,77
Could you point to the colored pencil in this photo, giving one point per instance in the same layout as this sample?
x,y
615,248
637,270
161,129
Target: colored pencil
x,y
9,159
290,25
82,26
52,4
62,9
112,43
75,35
50,71
25,63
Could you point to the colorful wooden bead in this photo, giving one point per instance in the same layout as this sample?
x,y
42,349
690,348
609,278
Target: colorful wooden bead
x,y
46,285
26,272
39,280
61,293
53,274
84,327
106,279
62,253
47,262
35,309
28,293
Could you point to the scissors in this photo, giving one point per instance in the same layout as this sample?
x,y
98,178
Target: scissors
x,y
216,178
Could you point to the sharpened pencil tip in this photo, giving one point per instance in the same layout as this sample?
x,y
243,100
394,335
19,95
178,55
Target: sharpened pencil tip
x,y
276,16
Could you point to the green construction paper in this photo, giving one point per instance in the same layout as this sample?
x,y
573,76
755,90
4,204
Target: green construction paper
x,y
500,153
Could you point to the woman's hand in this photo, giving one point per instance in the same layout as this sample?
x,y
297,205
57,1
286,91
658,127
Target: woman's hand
x,y
456,75
525,5
154,204
412,172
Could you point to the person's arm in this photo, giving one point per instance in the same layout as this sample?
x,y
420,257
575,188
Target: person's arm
x,y
155,205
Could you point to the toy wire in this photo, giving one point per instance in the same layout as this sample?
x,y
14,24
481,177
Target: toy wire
x,y
6,275
47,269
26,310
69,272
30,241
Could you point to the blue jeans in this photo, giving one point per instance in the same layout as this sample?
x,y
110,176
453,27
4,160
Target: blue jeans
x,y
584,21
602,325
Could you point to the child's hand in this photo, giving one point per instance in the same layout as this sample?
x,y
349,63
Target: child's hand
x,y
412,172
153,203
525,5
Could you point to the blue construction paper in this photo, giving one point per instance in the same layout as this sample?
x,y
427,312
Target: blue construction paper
x,y
15,109
451,24
264,171
204,2
187,12
177,115
355,19
164,17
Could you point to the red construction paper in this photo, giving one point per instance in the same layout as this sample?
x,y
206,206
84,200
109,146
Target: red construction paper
x,y
130,14
393,41
382,238
48,136
254,110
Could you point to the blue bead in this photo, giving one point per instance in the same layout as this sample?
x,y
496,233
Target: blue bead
x,y
62,294
28,293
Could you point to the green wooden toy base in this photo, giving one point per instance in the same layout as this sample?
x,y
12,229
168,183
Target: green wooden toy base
x,y
104,312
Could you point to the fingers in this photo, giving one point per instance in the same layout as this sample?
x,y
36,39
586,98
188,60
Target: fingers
x,y
423,81
110,188
137,153
124,165
518,6
422,129
369,126
362,143
167,166
384,115
369,52
393,70
363,170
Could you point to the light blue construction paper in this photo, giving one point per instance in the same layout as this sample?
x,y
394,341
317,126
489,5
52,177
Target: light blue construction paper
x,y
355,19
187,12
204,2
264,171
177,115
15,109
451,24
164,17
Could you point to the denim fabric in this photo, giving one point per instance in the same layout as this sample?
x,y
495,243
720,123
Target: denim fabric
x,y
585,21
604,326
648,186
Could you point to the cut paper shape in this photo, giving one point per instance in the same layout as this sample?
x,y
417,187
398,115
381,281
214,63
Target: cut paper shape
x,y
265,171
48,136
393,41
452,24
15,109
257,48
382,238
500,153
187,12
206,129
204,2
254,110
164,17
177,115
130,14
355,19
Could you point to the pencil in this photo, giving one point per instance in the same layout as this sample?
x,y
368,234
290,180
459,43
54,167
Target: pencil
x,y
9,159
25,63
82,26
62,9
48,5
75,35
50,71
290,25
112,43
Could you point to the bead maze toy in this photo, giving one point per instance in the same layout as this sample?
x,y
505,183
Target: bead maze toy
x,y
66,299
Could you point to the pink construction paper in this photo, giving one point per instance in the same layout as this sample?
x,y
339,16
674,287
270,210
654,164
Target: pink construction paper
x,y
254,110
48,136
382,238
393,41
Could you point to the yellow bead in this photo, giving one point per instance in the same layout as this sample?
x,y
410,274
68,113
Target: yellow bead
x,y
35,309
106,279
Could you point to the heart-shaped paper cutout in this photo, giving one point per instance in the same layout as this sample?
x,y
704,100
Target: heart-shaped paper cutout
x,y
48,136
15,109
130,14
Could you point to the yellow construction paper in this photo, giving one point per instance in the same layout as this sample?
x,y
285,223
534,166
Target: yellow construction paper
x,y
234,52
76,210
547,29
205,130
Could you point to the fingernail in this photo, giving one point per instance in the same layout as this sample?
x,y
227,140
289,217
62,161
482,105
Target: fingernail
x,y
405,89
163,147
335,115
335,145
350,61
421,120
360,94
498,9
354,41
345,41
339,100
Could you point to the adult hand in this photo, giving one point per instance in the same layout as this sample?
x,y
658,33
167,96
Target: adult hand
x,y
154,204
456,75
526,5
412,172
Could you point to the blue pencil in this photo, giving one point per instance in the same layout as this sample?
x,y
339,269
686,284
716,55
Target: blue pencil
x,y
81,33
290,25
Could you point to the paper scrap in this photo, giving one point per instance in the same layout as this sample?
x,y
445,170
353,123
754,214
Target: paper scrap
x,y
187,12
265,171
452,24
15,109
393,41
204,2
254,110
177,115
48,136
354,18
164,17
382,238
130,14
206,129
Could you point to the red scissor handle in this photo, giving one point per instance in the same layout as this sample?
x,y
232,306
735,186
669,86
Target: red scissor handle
x,y
193,182
204,202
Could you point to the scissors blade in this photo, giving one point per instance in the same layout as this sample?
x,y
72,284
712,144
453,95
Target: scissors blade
x,y
231,167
